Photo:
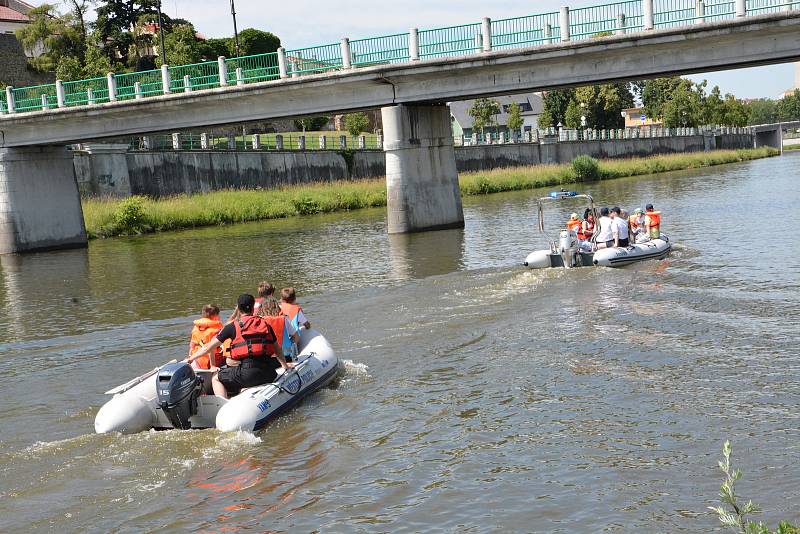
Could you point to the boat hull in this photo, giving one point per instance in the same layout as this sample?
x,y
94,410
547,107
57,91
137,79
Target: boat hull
x,y
655,249
136,409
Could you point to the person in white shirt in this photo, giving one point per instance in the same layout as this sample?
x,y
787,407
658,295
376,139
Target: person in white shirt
x,y
605,236
619,228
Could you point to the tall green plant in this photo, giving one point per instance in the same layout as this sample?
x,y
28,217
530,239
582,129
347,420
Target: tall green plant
x,y
483,112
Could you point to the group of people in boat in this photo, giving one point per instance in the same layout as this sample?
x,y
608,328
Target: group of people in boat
x,y
260,336
615,227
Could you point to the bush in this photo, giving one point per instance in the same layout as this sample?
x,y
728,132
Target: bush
x,y
305,205
586,168
129,216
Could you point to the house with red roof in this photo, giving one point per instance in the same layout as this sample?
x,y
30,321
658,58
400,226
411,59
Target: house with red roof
x,y
13,15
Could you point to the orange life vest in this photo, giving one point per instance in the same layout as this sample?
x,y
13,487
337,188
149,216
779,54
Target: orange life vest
x,y
278,325
203,332
574,225
290,310
586,234
633,223
654,220
254,338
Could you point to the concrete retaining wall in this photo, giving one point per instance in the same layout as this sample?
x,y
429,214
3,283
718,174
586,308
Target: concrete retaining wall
x,y
109,170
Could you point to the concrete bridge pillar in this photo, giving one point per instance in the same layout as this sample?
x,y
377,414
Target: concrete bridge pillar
x,y
39,203
421,175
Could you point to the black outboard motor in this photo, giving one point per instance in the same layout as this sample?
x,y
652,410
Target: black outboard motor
x,y
178,388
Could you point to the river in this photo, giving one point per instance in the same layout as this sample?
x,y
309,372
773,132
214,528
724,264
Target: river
x,y
477,396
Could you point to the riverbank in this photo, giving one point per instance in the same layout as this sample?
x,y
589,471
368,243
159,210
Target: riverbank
x,y
137,215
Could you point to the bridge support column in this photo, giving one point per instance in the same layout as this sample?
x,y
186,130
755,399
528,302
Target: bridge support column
x,y
421,175
39,203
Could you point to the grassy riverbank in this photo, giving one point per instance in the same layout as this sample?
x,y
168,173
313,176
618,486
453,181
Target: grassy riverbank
x,y
136,215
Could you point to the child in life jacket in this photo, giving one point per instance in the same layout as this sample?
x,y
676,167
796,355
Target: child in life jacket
x,y
266,303
204,331
292,310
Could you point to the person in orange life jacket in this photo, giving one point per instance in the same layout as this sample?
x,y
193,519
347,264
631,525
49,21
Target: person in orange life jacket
x,y
652,222
253,345
619,228
290,308
636,223
574,223
266,303
587,226
288,338
204,331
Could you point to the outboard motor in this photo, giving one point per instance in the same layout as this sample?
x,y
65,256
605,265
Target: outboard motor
x,y
178,388
568,247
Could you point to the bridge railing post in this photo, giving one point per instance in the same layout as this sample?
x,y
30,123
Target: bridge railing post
x,y
700,12
90,100
741,8
166,82
187,84
137,91
112,87
45,104
563,23
282,63
621,24
647,14
204,141
548,34
176,141
413,44
486,34
60,93
239,76
223,71
10,103
347,58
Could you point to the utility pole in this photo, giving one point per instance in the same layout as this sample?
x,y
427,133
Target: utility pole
x,y
161,33
235,31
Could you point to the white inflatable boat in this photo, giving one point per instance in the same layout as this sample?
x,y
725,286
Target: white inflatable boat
x,y
177,396
568,251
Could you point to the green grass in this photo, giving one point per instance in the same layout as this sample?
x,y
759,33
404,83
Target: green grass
x,y
106,217
791,147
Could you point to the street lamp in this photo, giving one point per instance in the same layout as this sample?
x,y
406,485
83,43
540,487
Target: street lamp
x,y
161,33
235,31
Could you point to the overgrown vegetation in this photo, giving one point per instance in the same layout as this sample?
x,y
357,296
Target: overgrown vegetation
x,y
585,168
137,215
733,513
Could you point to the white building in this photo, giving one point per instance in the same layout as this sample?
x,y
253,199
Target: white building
x,y
13,15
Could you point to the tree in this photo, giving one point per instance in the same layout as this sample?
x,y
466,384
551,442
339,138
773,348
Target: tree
x,y
762,111
515,120
252,42
311,123
735,112
572,117
355,123
483,112
211,49
789,107
685,108
182,45
554,108
117,21
55,33
656,93
603,105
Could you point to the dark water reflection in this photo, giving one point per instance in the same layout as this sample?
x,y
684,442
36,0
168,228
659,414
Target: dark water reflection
x,y
478,396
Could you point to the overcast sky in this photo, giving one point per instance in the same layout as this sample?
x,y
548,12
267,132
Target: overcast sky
x,y
301,23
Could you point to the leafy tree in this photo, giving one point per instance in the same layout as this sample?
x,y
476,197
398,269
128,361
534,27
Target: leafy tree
x,y
603,104
355,123
311,124
572,117
685,108
483,112
714,107
59,36
515,120
762,111
252,42
789,107
211,49
182,46
554,108
96,63
735,112
656,93
117,21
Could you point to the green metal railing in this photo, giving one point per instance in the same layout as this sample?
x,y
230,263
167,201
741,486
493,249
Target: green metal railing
x,y
450,41
519,32
380,50
525,31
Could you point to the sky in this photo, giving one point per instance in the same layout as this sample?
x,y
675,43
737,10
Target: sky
x,y
302,23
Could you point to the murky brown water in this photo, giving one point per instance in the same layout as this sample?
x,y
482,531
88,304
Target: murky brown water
x,y
478,396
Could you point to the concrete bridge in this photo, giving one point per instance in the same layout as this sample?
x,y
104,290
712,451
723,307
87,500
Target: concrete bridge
x,y
39,206
772,134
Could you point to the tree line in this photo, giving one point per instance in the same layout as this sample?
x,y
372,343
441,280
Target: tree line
x,y
122,39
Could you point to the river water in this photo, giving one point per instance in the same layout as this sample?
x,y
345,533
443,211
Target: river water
x,y
477,396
